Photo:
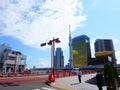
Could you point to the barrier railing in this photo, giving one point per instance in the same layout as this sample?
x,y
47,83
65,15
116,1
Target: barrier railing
x,y
58,73
65,73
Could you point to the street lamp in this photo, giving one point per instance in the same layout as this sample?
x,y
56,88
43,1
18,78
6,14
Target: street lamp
x,y
52,44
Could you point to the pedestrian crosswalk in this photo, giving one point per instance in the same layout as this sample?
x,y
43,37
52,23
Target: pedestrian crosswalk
x,y
37,89
45,88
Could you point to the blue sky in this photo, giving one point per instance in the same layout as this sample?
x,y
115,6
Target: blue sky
x,y
25,24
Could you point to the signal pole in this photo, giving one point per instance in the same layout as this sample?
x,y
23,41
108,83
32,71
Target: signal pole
x,y
52,44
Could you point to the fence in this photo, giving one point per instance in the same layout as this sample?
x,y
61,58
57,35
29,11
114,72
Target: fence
x,y
58,73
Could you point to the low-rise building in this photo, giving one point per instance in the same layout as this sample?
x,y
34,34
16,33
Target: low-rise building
x,y
10,60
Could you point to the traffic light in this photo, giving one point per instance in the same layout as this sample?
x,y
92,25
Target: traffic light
x,y
50,42
43,44
57,40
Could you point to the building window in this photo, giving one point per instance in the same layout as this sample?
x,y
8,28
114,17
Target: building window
x,y
11,58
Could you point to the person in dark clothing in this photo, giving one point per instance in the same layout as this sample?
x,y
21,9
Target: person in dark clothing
x,y
99,80
79,75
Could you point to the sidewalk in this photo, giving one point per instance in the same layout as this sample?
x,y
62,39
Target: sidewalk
x,y
72,83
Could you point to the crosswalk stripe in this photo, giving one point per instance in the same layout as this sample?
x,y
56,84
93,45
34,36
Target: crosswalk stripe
x,y
37,89
45,88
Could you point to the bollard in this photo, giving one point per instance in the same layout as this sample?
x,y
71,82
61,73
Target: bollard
x,y
52,78
8,74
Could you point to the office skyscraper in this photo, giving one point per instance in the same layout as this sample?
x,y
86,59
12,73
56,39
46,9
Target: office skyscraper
x,y
59,58
81,50
102,45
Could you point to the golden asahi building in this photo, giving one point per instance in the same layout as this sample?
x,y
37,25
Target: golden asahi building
x,y
81,50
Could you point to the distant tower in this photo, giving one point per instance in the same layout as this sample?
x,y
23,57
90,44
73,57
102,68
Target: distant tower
x,y
70,49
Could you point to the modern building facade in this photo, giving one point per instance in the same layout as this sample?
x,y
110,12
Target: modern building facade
x,y
81,50
105,46
10,60
59,58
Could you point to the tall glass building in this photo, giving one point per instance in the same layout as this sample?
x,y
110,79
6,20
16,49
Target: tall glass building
x,y
81,50
59,58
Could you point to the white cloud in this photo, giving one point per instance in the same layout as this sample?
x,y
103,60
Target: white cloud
x,y
95,3
92,47
117,53
92,43
116,41
29,57
34,22
39,63
44,62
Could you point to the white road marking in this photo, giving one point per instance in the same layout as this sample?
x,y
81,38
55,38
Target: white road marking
x,y
37,89
45,88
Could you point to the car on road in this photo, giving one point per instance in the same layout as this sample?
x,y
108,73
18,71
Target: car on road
x,y
75,70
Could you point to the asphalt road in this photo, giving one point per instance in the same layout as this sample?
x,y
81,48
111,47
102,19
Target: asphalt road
x,y
37,85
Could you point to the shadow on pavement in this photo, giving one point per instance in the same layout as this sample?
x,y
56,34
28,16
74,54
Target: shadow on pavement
x,y
93,81
75,83
8,84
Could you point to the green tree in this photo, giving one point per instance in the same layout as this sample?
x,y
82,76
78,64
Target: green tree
x,y
110,74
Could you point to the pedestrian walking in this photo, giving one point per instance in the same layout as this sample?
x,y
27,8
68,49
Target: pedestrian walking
x,y
79,75
99,80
